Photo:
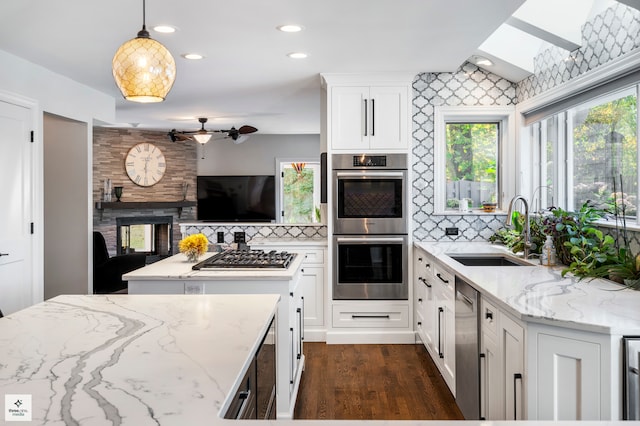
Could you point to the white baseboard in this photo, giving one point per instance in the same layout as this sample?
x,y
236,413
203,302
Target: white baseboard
x,y
362,337
319,335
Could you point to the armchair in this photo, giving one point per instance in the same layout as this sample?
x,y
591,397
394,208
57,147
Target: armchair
x,y
108,271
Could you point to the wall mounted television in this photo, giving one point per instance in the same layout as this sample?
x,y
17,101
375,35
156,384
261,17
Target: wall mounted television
x,y
236,198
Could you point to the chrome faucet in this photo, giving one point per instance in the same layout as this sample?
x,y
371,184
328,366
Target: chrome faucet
x,y
527,230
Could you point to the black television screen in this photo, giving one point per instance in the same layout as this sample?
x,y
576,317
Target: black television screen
x,y
236,198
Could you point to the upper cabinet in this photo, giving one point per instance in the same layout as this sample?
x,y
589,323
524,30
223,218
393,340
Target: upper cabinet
x,y
367,113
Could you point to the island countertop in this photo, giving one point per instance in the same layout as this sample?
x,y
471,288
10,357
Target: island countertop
x,y
129,359
178,267
540,294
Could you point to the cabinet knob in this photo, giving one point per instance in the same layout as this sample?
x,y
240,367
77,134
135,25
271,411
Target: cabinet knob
x,y
420,299
489,315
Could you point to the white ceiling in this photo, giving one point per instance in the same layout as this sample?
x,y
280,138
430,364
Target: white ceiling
x,y
246,77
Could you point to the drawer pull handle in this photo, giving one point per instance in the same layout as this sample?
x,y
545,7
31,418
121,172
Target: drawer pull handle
x,y
442,279
425,282
4,254
370,316
516,377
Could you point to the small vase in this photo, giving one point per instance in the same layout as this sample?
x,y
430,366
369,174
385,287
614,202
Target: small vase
x,y
192,256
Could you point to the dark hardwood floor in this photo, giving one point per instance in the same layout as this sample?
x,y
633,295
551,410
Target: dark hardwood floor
x,y
372,382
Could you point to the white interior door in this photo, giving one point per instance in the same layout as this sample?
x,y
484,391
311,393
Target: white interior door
x,y
16,210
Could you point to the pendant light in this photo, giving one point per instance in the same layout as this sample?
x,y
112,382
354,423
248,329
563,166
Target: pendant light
x,y
143,69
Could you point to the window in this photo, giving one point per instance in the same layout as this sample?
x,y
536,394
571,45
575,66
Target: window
x,y
598,139
472,161
471,145
299,191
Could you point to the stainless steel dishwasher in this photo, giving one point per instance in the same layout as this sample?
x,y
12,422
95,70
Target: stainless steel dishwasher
x,y
467,350
631,377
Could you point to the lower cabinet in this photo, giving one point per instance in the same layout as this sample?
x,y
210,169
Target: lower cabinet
x,y
434,290
577,375
313,285
502,378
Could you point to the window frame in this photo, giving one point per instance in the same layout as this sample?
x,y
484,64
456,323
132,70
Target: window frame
x,y
564,152
281,163
506,162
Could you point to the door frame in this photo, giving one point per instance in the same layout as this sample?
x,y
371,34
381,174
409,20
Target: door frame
x,y
37,191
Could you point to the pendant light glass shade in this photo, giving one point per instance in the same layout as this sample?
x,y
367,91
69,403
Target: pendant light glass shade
x,y
143,68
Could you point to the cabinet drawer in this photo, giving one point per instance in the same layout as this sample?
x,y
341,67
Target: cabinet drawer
x,y
443,277
489,318
388,316
313,257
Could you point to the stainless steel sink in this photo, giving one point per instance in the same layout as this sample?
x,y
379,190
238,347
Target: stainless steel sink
x,y
488,260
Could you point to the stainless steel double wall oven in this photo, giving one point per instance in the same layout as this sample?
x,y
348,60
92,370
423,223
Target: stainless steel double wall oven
x,y
370,223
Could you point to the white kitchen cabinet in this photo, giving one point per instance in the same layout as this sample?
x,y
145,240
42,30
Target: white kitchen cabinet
x,y
368,112
296,330
312,282
491,388
502,378
512,353
578,374
569,372
435,307
369,118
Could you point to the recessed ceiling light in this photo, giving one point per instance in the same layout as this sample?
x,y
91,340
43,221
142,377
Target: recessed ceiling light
x,y
297,55
193,56
481,60
290,28
164,29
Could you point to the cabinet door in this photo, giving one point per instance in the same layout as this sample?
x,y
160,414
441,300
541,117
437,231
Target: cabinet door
x,y
569,385
512,356
448,350
387,109
429,325
349,118
313,291
491,389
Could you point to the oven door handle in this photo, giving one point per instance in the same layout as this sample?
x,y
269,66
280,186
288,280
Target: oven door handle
x,y
369,174
369,240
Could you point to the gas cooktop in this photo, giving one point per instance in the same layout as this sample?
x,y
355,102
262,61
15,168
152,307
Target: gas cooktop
x,y
247,259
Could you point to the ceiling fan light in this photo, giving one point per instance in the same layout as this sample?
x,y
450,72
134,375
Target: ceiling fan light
x,y
202,138
143,69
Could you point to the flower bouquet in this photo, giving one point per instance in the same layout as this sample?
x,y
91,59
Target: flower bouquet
x,y
194,246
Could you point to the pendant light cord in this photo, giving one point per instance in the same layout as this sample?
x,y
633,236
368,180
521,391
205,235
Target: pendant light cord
x,y
143,33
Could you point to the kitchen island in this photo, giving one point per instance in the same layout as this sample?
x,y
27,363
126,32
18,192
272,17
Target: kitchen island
x,y
551,347
131,360
174,275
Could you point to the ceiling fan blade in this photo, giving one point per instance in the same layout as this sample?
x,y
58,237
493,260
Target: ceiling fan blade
x,y
240,139
244,130
178,136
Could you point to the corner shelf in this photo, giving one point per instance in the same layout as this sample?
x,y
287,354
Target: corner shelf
x,y
139,205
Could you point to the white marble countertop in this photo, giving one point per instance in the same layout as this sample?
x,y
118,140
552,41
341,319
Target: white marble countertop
x,y
138,360
178,267
540,294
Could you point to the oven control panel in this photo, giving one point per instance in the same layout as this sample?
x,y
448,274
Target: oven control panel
x,y
369,161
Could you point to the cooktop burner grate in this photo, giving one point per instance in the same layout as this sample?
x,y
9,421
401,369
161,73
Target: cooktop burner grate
x,y
247,259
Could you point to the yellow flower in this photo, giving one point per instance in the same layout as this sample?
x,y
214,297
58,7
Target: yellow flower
x,y
196,243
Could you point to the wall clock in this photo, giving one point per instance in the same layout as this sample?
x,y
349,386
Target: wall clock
x,y
145,164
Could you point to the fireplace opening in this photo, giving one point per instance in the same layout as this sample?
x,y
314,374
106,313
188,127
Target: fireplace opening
x,y
152,235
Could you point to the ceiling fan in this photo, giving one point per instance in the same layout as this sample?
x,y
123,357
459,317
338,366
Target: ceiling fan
x,y
203,135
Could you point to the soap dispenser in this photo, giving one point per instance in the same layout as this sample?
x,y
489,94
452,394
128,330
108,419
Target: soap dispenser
x,y
548,255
